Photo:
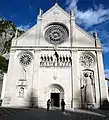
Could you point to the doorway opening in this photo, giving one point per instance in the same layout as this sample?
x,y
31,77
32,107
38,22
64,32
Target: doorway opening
x,y
55,99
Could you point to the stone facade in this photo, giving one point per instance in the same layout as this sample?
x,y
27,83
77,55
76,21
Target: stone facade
x,y
55,59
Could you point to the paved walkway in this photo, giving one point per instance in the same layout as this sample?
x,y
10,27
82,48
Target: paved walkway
x,y
53,114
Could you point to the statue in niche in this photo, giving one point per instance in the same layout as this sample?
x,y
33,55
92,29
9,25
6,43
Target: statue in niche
x,y
21,92
51,60
42,60
63,59
55,59
60,60
48,60
45,60
92,79
66,63
23,74
69,61
87,89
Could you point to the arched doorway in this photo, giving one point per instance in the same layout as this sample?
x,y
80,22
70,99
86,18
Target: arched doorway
x,y
56,93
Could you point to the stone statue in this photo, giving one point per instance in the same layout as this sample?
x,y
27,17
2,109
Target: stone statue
x,y
55,59
21,92
51,60
70,60
42,60
66,61
95,35
23,74
87,85
45,60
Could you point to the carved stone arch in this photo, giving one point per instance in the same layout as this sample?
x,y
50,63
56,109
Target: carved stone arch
x,y
59,87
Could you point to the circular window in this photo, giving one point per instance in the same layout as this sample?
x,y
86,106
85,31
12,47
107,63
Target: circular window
x,y
87,60
56,34
25,58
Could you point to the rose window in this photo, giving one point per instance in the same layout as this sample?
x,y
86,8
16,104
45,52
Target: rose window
x,y
56,34
25,59
87,60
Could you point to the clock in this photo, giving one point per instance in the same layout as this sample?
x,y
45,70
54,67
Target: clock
x,y
87,60
56,34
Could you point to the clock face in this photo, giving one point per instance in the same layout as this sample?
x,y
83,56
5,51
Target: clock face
x,y
87,60
56,34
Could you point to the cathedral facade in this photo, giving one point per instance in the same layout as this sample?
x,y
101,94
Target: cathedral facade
x,y
55,59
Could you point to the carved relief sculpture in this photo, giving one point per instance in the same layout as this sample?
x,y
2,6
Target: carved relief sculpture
x,y
55,60
21,92
87,89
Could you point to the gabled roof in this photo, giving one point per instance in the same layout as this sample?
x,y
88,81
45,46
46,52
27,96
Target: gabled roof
x,y
56,6
84,32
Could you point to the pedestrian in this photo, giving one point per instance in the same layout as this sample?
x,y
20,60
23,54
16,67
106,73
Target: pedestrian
x,y
63,105
48,104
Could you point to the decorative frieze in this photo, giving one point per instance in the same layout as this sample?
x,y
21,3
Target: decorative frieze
x,y
55,60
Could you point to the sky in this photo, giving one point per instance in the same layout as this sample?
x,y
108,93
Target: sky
x,y
91,15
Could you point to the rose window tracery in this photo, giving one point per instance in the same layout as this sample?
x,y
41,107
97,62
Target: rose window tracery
x,y
25,59
56,34
87,60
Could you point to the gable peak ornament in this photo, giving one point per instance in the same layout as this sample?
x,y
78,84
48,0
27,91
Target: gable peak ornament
x,y
40,12
56,4
95,35
72,13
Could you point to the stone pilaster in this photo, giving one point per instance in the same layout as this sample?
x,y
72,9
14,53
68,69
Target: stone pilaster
x,y
103,89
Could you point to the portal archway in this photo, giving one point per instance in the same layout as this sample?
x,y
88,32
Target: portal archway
x,y
56,93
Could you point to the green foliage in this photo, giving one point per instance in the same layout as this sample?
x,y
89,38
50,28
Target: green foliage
x,y
7,33
3,64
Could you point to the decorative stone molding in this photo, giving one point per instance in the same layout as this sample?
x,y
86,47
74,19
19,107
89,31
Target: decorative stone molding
x,y
46,48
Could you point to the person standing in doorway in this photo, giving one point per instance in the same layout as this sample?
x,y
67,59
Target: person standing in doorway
x,y
63,105
48,104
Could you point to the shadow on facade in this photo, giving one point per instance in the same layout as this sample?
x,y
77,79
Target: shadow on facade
x,y
33,100
105,104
